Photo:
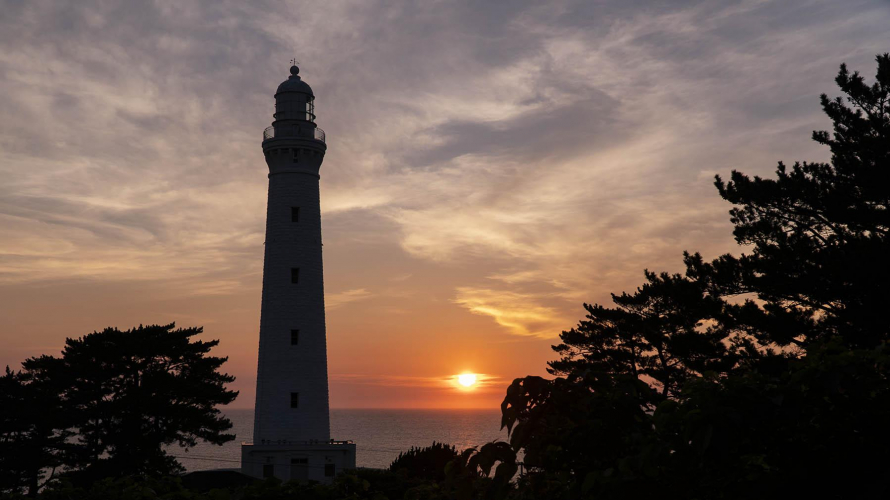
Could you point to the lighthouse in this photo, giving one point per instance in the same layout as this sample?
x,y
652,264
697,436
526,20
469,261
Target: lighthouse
x,y
291,433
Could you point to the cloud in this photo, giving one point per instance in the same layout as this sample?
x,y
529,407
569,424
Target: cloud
x,y
338,299
478,129
389,380
484,381
520,314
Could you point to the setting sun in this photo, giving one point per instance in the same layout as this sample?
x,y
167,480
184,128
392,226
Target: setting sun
x,y
466,379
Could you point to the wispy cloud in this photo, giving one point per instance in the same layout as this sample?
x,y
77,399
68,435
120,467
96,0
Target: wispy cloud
x,y
335,300
547,135
483,381
520,314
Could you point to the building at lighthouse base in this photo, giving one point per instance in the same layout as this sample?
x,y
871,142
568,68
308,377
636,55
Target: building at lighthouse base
x,y
298,460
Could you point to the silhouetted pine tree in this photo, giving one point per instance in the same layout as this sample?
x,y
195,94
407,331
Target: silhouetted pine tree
x,y
127,394
34,430
763,375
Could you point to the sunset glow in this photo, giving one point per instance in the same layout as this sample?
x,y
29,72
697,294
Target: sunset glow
x,y
490,167
467,379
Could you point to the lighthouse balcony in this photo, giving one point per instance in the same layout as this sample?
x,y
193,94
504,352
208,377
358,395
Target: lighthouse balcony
x,y
270,442
279,132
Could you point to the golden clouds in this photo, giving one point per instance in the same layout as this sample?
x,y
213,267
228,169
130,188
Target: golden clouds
x,y
335,300
520,314
481,381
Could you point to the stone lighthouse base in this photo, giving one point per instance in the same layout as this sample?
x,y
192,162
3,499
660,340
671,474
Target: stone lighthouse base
x,y
298,460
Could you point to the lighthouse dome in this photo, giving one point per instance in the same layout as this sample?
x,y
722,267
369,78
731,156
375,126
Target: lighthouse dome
x,y
294,83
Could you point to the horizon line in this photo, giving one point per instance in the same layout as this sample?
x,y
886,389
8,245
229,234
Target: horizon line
x,y
389,408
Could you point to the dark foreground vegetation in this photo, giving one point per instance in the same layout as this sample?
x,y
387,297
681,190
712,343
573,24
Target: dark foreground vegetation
x,y
763,375
108,406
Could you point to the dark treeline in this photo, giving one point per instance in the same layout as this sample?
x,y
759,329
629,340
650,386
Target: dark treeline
x,y
763,375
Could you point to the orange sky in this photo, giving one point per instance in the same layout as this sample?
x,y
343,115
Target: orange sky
x,y
490,167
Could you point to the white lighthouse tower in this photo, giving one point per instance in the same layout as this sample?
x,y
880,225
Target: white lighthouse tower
x,y
291,433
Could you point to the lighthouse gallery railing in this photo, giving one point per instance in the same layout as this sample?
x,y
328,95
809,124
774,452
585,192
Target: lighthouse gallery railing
x,y
271,133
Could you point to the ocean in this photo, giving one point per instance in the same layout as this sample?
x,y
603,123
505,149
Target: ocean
x,y
379,435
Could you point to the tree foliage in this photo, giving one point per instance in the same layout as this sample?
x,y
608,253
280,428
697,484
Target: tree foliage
x,y
425,463
34,431
127,394
746,376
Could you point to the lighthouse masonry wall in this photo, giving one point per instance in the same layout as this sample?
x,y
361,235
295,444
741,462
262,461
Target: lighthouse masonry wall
x,y
284,368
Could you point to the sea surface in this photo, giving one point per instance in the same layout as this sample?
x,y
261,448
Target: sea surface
x,y
379,435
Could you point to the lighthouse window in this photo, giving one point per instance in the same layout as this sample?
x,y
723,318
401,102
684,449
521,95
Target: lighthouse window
x,y
268,470
329,470
295,214
295,275
296,156
294,337
295,400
